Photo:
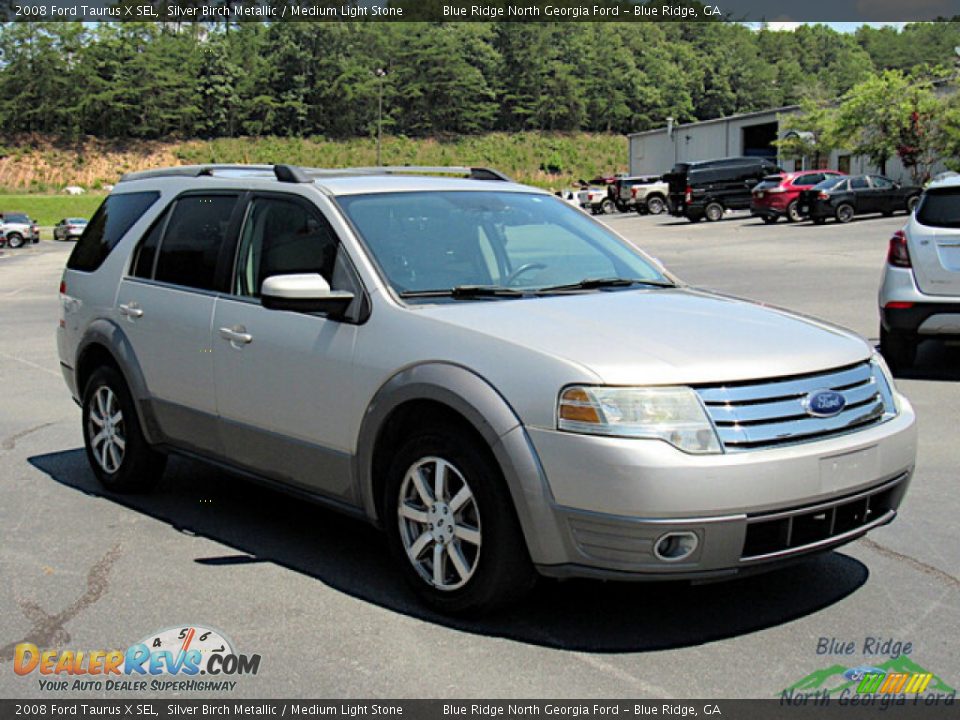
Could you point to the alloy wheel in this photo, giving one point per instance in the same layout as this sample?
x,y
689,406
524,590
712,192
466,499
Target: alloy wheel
x,y
106,430
439,523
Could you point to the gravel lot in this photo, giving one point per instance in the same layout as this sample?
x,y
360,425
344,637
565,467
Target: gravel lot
x,y
315,595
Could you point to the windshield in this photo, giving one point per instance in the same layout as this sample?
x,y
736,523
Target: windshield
x,y
442,240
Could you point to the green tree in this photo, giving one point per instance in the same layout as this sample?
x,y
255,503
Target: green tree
x,y
889,114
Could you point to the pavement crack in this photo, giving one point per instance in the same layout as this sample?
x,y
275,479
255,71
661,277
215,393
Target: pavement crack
x,y
11,442
923,567
48,630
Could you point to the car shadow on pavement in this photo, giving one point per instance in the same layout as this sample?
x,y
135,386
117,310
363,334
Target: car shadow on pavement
x,y
936,360
260,525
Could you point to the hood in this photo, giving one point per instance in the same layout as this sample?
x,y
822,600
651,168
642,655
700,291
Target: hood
x,y
661,336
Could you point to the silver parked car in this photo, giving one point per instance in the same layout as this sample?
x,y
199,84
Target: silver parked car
x,y
500,382
920,292
69,229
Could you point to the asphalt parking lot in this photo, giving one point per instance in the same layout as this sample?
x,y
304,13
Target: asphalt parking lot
x,y
315,595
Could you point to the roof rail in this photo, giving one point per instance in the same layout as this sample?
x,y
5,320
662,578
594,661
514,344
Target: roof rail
x,y
295,174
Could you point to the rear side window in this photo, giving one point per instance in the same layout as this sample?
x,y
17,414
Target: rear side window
x,y
192,240
940,208
108,225
859,183
812,179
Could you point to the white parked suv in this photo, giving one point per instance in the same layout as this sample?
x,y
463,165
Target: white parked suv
x,y
501,383
920,291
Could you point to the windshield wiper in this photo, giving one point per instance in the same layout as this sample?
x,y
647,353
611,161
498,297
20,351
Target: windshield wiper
x,y
467,291
610,282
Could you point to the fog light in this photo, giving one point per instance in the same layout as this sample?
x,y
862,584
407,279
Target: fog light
x,y
676,546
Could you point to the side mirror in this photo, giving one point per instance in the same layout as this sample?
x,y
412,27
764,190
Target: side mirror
x,y
306,293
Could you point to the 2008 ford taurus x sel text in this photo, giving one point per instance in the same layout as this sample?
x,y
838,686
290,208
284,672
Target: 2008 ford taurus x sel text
x,y
501,383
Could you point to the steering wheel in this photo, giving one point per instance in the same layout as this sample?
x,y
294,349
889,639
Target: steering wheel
x,y
512,277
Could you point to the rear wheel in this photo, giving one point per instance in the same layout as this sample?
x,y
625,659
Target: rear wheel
x,y
898,349
845,213
15,240
452,526
116,449
656,205
793,212
713,211
608,207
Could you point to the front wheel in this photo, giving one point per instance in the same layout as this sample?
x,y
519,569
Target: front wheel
x,y
451,524
116,449
15,240
608,207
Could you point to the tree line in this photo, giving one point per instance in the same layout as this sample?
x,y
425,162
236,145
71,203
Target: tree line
x,y
151,80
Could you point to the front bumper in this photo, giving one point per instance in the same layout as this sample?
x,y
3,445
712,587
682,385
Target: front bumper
x,y
614,499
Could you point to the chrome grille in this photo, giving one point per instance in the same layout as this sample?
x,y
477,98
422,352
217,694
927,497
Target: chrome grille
x,y
755,415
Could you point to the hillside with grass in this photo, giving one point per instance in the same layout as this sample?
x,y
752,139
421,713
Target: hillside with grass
x,y
38,164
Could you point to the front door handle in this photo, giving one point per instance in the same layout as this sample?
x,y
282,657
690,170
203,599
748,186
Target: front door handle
x,y
131,310
237,335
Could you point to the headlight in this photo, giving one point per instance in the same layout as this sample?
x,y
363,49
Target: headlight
x,y
888,389
673,414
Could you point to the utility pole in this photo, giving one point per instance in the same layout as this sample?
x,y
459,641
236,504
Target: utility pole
x,y
380,73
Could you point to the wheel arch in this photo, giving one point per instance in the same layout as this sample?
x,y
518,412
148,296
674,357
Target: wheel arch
x,y
460,396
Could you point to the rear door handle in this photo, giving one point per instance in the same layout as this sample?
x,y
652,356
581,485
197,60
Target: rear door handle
x,y
236,335
131,310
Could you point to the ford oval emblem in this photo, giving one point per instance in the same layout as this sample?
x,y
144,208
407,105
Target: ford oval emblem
x,y
824,403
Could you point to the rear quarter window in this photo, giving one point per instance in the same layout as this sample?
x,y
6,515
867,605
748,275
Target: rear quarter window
x,y
115,216
940,208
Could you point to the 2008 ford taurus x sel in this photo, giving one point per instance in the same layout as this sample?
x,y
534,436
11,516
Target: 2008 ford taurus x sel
x,y
501,383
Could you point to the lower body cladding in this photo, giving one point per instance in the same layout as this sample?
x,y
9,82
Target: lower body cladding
x,y
914,311
641,510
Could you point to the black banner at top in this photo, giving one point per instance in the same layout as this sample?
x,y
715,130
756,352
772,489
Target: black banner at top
x,y
213,11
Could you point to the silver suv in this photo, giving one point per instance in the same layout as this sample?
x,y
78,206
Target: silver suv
x,y
501,383
920,292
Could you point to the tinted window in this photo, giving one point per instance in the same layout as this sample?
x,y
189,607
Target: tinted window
x,y
192,241
859,183
16,218
768,184
881,182
108,225
147,252
940,208
809,179
837,182
282,237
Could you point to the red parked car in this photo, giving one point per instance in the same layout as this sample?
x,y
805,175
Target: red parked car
x,y
776,195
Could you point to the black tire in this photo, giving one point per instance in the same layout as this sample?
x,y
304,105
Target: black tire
x,y
713,212
15,240
898,349
139,466
608,207
500,571
819,220
912,203
793,212
770,219
845,213
694,218
656,205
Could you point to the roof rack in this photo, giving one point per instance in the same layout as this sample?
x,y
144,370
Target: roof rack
x,y
295,174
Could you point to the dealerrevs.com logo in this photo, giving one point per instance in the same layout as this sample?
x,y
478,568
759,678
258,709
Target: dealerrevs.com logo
x,y
170,660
